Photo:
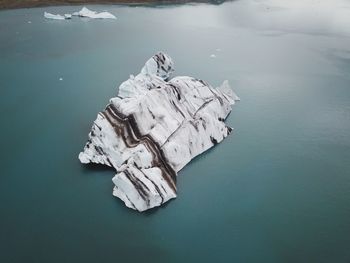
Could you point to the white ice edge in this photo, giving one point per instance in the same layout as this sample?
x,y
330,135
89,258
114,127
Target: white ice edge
x,y
84,12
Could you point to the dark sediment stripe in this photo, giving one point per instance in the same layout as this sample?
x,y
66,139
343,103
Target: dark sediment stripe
x,y
175,90
142,183
154,147
153,117
213,140
212,90
177,108
131,202
126,127
163,188
194,124
202,106
203,82
173,133
97,126
155,185
216,95
137,185
158,60
109,161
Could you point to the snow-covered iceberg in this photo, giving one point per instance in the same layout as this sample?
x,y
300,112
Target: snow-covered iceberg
x,y
52,16
153,128
85,12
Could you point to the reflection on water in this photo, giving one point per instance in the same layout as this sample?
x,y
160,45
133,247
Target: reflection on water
x,y
301,16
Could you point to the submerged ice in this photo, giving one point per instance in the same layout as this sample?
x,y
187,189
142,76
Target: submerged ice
x,y
153,128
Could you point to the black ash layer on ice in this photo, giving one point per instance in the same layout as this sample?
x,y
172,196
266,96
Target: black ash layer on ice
x,y
153,128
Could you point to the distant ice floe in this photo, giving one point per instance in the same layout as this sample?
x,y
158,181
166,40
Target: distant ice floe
x,y
214,55
84,12
52,16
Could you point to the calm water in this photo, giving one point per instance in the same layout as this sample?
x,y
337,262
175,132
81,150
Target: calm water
x,y
277,190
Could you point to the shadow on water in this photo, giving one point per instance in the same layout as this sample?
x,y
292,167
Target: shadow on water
x,y
148,213
94,167
154,210
198,160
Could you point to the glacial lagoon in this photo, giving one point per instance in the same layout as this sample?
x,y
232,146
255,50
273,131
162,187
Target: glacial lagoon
x,y
276,190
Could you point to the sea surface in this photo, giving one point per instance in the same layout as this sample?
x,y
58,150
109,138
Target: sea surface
x,y
276,190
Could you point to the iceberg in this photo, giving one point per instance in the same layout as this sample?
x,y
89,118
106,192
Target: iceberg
x,y
85,12
55,17
153,128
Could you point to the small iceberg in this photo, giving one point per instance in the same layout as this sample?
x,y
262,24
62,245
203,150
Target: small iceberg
x,y
55,17
85,12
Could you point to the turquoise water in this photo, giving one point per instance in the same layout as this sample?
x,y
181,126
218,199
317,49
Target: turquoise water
x,y
276,190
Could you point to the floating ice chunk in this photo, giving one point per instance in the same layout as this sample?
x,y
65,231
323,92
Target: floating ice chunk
x,y
52,16
226,89
60,78
85,12
29,22
105,15
153,128
213,56
218,49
